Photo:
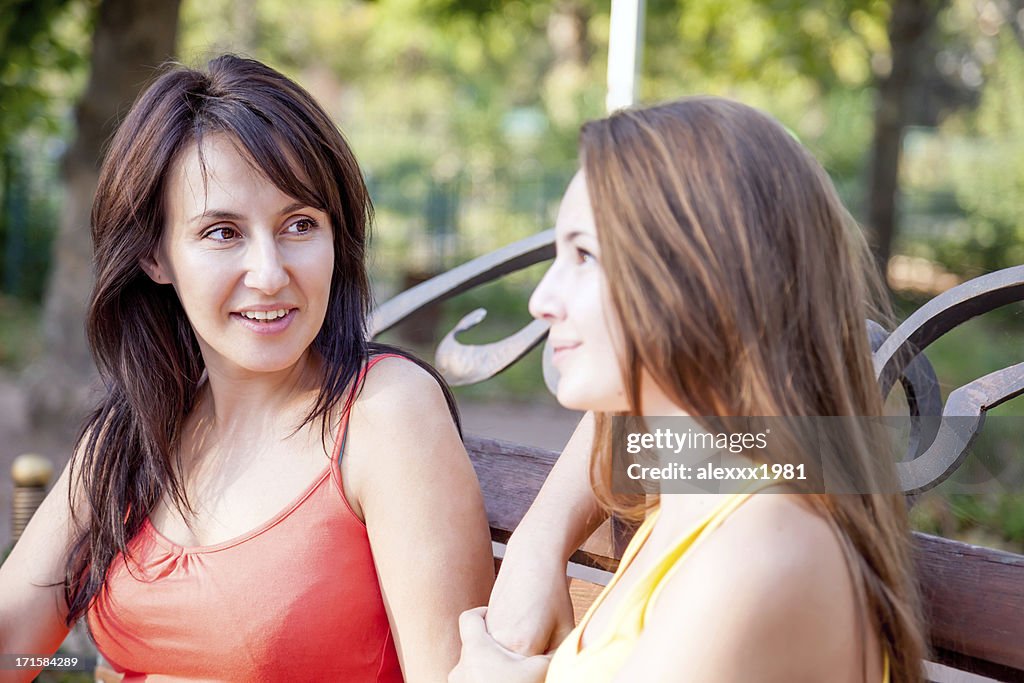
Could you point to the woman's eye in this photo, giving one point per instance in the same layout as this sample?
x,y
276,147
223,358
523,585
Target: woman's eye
x,y
222,234
302,226
584,256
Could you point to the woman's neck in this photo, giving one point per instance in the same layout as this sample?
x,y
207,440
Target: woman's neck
x,y
244,405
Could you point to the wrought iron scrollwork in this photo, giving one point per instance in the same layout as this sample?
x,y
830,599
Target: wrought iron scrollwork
x,y
941,454
937,447
921,389
461,363
481,270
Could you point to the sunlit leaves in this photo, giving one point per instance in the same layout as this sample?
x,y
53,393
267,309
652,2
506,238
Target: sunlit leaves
x,y
42,58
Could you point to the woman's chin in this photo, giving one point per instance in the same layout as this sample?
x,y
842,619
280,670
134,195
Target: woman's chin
x,y
263,365
584,398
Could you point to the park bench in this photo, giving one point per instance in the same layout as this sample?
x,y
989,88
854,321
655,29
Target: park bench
x,y
974,596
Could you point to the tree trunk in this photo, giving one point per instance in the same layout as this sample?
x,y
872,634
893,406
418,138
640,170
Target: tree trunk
x,y
567,34
131,38
909,26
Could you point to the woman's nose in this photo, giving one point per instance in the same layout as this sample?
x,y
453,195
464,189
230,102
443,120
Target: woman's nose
x,y
265,269
546,302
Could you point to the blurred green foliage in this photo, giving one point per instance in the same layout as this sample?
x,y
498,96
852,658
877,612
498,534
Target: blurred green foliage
x,y
19,332
994,520
41,53
455,106
43,56
988,173
963,179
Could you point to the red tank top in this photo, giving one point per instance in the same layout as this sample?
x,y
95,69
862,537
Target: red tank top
x,y
296,598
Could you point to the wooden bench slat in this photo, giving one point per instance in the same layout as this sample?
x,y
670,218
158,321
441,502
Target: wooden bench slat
x,y
974,598
510,476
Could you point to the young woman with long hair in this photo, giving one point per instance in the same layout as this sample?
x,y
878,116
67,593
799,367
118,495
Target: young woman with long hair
x,y
706,270
261,494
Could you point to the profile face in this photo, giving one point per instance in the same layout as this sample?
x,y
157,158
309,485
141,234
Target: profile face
x,y
573,298
251,265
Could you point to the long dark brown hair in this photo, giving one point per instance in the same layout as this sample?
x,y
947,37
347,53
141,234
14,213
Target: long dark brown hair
x,y
742,287
145,350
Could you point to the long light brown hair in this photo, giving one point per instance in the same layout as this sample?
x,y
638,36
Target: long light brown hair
x,y
742,287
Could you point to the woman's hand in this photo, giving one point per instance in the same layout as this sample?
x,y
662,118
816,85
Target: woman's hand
x,y
483,660
529,611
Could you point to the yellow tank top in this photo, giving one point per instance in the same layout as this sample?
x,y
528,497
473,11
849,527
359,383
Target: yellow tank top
x,y
601,661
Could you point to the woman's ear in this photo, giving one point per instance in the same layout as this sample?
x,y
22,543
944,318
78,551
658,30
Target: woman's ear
x,y
153,267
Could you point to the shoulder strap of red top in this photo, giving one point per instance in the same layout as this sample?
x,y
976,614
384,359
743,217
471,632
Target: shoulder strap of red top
x,y
356,386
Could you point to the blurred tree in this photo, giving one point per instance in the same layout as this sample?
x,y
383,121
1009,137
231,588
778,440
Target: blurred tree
x,y
910,26
812,64
130,38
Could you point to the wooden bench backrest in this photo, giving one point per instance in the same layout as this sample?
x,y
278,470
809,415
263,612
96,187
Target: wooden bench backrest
x,y
974,596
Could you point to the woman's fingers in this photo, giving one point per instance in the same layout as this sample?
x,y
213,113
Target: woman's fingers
x,y
484,660
472,628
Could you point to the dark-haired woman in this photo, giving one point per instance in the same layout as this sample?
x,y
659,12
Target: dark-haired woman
x,y
261,494
706,269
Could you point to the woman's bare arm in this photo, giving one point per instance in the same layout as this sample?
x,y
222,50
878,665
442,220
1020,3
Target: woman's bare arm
x,y
424,514
32,607
529,610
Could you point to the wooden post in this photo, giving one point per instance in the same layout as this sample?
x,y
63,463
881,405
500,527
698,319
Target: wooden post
x,y
31,474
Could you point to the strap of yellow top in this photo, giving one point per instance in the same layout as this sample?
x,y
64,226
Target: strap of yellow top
x,y
662,571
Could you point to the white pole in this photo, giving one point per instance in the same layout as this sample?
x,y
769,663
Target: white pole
x,y
625,51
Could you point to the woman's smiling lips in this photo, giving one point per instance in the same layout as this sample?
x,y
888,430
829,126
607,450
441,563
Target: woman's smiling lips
x,y
561,348
266,319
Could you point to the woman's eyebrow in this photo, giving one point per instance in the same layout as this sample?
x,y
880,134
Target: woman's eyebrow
x,y
294,206
222,215
575,234
218,214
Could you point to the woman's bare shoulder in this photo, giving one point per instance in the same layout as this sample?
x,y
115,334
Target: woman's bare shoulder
x,y
397,377
393,387
781,543
774,580
399,415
